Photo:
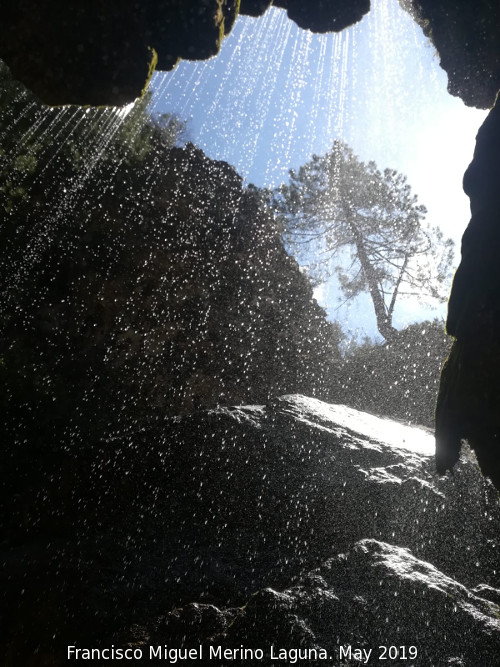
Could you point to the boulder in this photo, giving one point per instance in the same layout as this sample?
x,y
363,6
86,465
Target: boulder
x,y
376,602
215,506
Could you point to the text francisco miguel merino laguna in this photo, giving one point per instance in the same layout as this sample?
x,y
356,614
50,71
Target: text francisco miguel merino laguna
x,y
174,655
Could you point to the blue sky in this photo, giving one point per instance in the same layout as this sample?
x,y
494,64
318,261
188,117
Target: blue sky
x,y
277,94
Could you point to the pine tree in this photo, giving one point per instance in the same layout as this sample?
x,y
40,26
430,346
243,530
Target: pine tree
x,y
366,227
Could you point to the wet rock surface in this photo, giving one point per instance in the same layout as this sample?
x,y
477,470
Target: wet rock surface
x,y
213,507
376,602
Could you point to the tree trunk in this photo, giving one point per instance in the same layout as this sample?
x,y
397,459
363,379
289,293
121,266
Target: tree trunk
x,y
384,319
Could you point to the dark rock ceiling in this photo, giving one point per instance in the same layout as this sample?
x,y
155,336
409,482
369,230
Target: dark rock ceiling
x,y
89,52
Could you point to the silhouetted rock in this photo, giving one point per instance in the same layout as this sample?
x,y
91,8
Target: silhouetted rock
x,y
314,15
110,60
254,7
319,16
463,34
214,506
468,405
89,53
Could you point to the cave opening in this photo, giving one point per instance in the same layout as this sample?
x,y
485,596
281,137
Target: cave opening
x,y
222,328
277,94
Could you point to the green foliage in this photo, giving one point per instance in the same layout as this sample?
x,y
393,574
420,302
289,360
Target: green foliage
x,y
43,148
397,379
366,227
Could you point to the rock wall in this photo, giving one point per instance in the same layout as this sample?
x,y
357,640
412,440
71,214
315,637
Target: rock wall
x,y
468,404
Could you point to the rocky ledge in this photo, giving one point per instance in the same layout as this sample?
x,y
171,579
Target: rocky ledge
x,y
297,524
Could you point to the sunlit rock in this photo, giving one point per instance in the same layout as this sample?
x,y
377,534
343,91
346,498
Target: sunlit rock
x,y
215,506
